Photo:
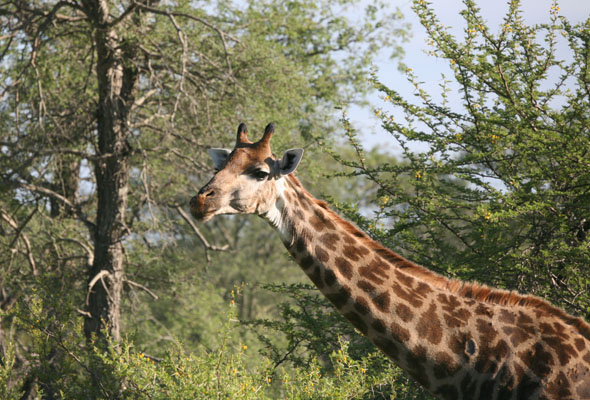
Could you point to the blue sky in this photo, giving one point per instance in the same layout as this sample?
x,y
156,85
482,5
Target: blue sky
x,y
429,69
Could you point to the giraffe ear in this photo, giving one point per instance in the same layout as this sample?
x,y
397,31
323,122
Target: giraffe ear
x,y
219,157
290,161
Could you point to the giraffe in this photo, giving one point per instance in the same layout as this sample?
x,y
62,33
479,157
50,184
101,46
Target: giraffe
x,y
460,340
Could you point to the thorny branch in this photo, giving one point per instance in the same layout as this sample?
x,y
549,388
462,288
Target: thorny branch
x,y
132,283
74,207
197,232
18,233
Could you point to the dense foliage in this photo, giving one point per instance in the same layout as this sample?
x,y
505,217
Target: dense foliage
x,y
501,193
107,110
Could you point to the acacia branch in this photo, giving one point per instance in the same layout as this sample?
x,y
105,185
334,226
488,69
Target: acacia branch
x,y
91,284
197,232
132,283
18,233
74,207
87,249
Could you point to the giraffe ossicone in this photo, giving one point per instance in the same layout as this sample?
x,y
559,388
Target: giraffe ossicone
x,y
460,340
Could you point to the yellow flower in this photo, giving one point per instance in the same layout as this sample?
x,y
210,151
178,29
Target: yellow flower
x,y
418,175
244,347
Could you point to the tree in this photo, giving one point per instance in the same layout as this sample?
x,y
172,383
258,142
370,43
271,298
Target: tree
x,y
501,194
107,108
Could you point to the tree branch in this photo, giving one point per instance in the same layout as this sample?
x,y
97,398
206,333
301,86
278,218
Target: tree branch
x,y
197,232
74,207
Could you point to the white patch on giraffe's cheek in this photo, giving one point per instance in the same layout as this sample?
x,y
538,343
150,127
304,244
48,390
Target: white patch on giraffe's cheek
x,y
274,215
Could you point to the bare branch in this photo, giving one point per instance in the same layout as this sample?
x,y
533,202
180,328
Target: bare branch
x,y
123,15
74,207
18,232
89,251
131,283
91,284
197,232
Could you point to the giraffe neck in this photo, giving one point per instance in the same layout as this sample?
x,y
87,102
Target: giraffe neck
x,y
453,338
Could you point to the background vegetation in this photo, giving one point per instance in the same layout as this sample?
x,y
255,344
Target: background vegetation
x,y
109,290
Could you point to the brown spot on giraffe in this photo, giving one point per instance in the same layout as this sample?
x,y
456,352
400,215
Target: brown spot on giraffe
x,y
580,344
558,387
377,271
321,254
429,326
382,301
340,297
404,312
361,305
388,346
417,363
352,252
404,279
306,262
300,245
297,213
447,391
366,286
330,240
444,365
319,221
399,333
344,267
507,316
350,240
316,276
357,320
454,314
468,386
329,277
516,334
459,339
379,326
564,350
411,297
484,310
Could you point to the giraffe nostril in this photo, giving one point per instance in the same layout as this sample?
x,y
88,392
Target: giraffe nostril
x,y
206,191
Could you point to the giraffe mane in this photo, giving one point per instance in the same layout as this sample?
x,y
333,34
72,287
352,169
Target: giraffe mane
x,y
471,290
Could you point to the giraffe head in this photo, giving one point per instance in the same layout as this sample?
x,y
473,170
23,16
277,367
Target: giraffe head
x,y
247,179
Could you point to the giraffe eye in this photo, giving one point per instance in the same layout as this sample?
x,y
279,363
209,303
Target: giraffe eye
x,y
260,175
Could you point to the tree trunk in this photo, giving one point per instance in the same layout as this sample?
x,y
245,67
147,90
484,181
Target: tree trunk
x,y
117,81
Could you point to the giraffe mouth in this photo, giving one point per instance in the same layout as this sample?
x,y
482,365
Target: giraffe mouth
x,y
202,215
199,211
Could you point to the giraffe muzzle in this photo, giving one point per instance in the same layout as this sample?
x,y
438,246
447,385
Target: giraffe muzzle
x,y
198,204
